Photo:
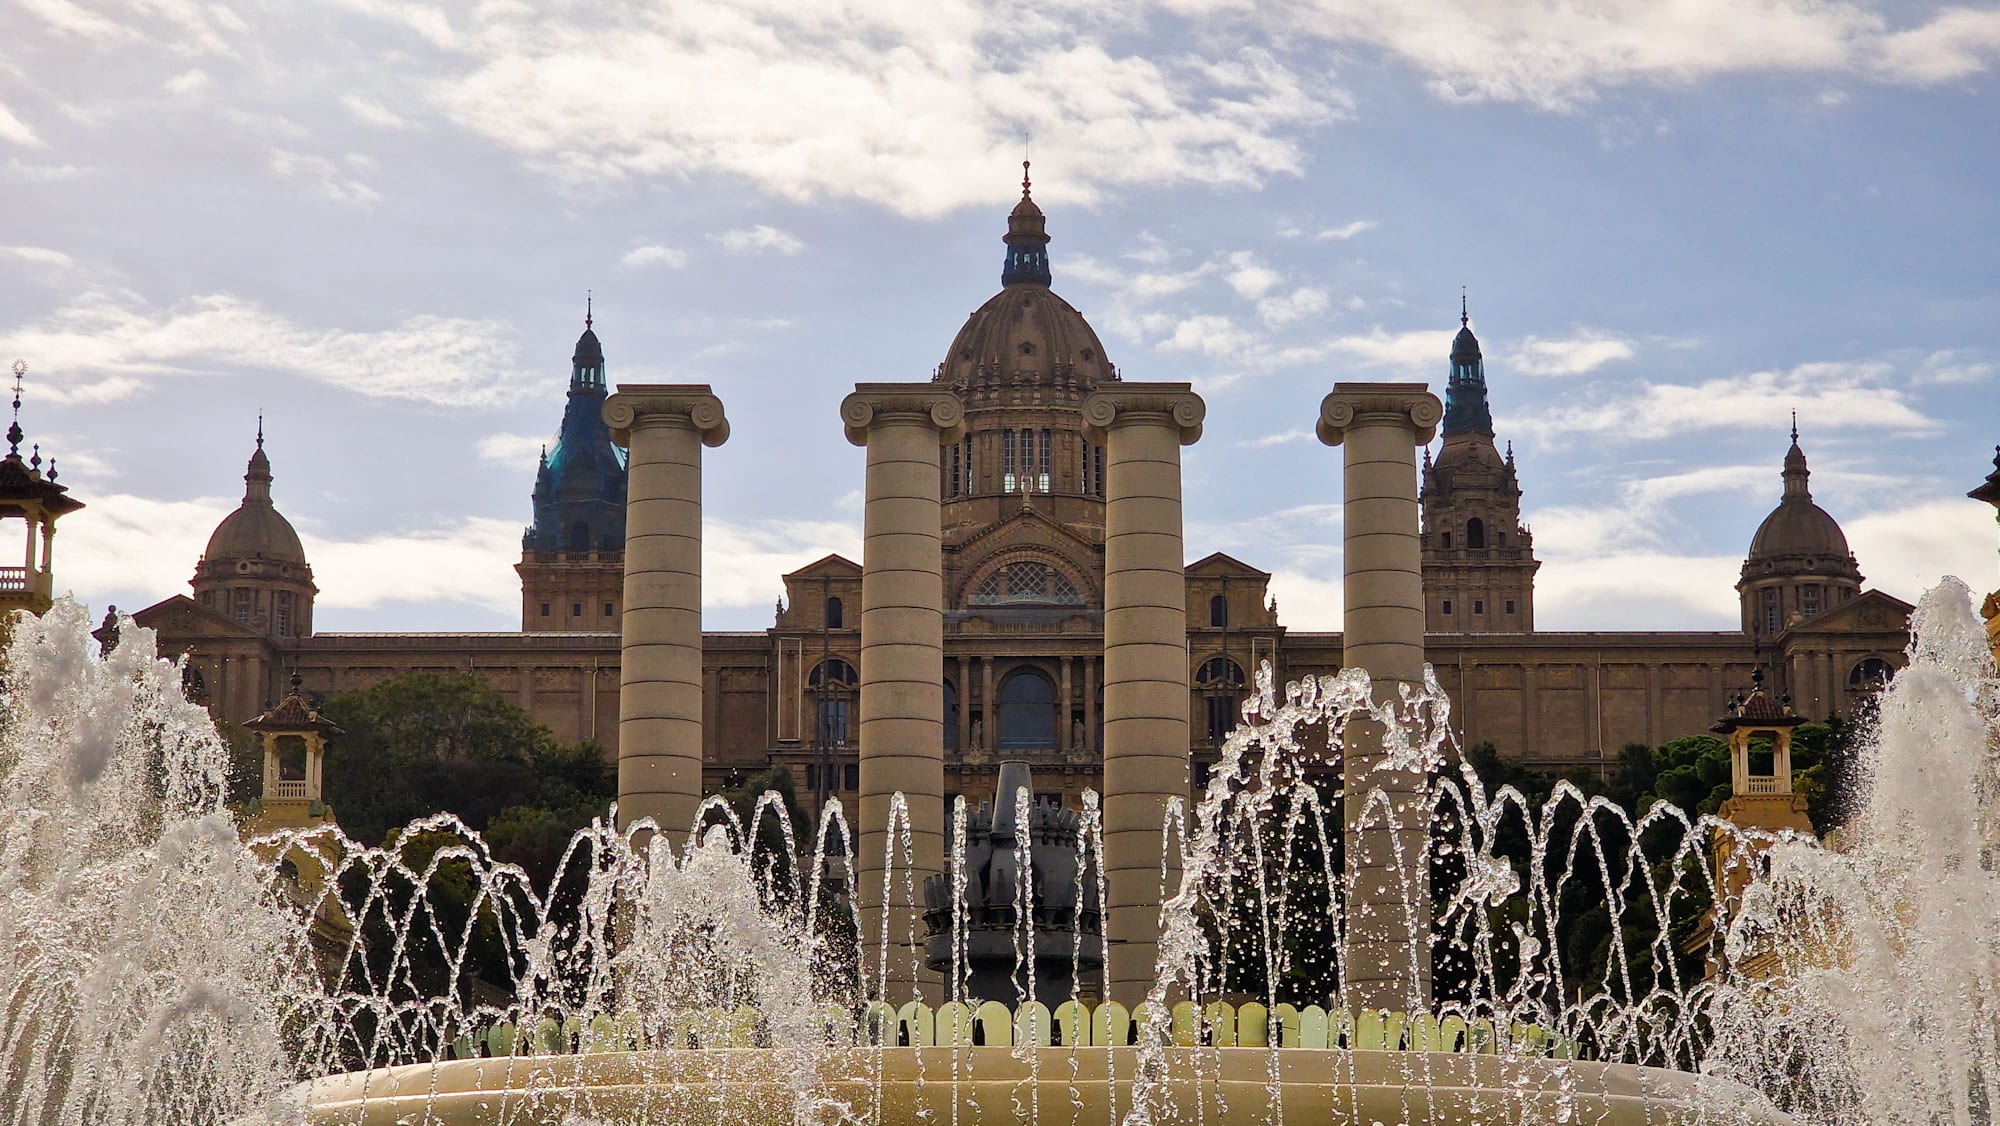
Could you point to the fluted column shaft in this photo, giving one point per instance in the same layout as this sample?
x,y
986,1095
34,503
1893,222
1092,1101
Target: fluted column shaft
x,y
902,662
1386,959
664,427
1142,427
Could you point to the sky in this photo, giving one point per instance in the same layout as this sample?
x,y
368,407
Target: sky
x,y
375,221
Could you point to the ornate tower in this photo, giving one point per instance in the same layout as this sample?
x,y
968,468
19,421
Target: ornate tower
x,y
26,493
572,564
1478,558
1023,513
254,570
1799,563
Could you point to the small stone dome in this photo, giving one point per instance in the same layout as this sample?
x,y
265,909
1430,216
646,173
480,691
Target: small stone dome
x,y
588,350
1798,527
256,530
1464,344
1026,330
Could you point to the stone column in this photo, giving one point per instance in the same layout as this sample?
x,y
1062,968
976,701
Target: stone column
x,y
1386,960
902,661
1142,427
964,706
1062,708
664,427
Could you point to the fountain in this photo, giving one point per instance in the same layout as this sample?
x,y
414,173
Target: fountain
x,y
156,970
1354,929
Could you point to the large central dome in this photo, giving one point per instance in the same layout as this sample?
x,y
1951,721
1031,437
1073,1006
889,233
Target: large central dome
x,y
1025,334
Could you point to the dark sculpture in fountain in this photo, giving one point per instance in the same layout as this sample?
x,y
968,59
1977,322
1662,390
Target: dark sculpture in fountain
x,y
993,854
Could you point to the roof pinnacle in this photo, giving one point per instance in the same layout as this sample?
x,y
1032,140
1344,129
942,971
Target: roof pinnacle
x,y
1464,318
260,430
587,311
14,434
1795,427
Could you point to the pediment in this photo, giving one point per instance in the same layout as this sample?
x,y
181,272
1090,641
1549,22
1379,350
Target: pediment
x,y
1026,527
1871,611
836,566
181,617
1217,564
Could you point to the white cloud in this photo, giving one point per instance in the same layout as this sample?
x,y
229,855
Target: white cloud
x,y
115,343
1421,351
188,83
325,177
1298,305
741,561
40,256
1283,438
918,109
654,254
1835,396
1345,231
1949,366
15,130
1208,334
1905,551
1585,352
469,561
760,238
128,543
1957,42
1637,590
371,112
1558,55
517,451
1250,278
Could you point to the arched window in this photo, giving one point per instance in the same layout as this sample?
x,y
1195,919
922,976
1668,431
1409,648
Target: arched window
x,y
193,685
835,614
1221,682
1870,675
950,716
832,683
1027,710
1218,612
1025,583
1475,534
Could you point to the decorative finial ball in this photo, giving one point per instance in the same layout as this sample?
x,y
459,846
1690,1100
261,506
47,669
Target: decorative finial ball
x,y
20,368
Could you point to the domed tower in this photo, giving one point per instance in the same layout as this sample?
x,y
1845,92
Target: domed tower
x,y
1022,365
254,570
573,556
1799,563
1478,558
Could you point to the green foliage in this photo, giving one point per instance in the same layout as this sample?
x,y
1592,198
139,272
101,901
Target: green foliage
x,y
423,743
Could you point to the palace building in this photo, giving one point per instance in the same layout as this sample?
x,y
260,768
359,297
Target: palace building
x,y
1023,502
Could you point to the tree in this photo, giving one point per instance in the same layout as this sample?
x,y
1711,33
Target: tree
x,y
424,743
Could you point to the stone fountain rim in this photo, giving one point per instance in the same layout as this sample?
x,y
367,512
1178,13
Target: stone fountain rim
x,y
848,1071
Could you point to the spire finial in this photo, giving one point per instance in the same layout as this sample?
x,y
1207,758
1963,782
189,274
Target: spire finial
x,y
1795,427
1026,183
260,430
14,431
1464,318
588,312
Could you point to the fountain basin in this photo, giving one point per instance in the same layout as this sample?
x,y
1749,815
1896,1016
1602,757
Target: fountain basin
x,y
916,1087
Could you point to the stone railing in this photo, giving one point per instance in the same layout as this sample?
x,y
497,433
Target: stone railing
x,y
1071,1024
13,578
287,791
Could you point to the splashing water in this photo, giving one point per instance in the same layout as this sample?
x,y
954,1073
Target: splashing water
x,y
155,969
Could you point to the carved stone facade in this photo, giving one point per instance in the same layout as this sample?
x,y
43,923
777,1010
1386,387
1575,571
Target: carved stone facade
x,y
1023,569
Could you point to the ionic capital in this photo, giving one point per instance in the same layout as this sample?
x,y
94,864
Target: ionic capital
x,y
1159,404
872,404
693,405
1409,405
